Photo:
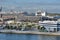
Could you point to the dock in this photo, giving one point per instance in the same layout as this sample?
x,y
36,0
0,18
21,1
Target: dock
x,y
30,32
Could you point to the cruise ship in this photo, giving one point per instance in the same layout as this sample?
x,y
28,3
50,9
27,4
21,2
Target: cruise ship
x,y
51,26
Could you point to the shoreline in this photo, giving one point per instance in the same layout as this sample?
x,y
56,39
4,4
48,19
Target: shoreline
x,y
30,32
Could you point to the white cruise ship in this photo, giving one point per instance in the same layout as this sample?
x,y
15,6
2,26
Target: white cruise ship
x,y
50,25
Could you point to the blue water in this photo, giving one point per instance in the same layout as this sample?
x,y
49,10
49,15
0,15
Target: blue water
x,y
27,37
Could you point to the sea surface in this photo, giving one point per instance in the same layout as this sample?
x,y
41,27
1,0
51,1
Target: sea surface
x,y
27,37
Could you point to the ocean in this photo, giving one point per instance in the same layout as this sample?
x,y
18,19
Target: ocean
x,y
27,37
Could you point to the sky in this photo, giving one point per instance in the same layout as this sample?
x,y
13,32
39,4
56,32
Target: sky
x,y
31,5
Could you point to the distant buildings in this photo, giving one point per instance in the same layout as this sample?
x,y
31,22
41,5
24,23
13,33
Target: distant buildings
x,y
40,13
25,16
29,18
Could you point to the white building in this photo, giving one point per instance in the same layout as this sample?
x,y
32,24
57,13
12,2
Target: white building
x,y
40,13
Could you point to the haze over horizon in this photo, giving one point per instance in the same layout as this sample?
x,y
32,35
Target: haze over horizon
x,y
31,5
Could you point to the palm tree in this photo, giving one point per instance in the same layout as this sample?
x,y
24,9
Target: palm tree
x,y
19,27
42,29
7,27
14,27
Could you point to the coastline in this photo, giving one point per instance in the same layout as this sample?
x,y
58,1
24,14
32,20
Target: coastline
x,y
30,32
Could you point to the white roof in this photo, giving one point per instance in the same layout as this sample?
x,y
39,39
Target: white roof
x,y
49,22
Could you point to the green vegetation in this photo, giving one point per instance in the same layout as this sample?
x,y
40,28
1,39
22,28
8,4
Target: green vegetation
x,y
26,26
42,29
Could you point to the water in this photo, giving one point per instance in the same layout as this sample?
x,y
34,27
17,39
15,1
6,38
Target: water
x,y
27,37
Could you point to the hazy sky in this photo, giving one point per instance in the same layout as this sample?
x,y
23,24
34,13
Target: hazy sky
x,y
31,5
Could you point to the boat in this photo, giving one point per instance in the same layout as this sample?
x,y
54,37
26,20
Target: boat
x,y
51,26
